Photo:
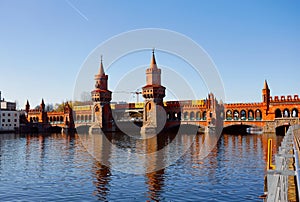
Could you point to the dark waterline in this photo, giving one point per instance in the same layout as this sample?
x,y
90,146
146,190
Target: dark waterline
x,y
57,167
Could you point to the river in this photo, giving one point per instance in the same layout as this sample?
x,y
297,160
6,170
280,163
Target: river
x,y
60,167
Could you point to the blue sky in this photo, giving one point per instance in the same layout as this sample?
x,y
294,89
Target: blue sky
x,y
43,44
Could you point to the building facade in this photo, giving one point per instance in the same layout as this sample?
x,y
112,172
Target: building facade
x,y
9,116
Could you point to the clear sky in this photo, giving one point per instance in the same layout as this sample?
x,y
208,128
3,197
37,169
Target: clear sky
x,y
43,44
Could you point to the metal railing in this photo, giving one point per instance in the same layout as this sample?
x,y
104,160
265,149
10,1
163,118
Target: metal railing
x,y
277,175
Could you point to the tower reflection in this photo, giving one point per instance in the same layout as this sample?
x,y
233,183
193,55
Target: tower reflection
x,y
99,146
155,166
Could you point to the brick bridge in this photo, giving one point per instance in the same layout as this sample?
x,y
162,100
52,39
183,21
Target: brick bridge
x,y
272,114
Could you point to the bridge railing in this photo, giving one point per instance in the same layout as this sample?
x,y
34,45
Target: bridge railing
x,y
277,180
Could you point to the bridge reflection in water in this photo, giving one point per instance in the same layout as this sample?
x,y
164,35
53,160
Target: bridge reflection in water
x,y
55,166
235,161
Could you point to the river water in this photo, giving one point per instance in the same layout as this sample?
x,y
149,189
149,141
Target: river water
x,y
60,167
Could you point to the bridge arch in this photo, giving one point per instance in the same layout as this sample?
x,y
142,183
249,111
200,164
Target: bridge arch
x,y
192,116
258,114
179,116
185,115
236,115
243,114
204,115
286,113
250,114
294,112
169,116
278,113
281,130
229,115
238,128
198,115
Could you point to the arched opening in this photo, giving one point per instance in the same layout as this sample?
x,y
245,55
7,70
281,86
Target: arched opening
x,y
37,119
229,115
175,116
179,116
54,119
31,120
204,115
185,115
238,129
294,112
82,118
85,118
281,130
61,119
286,113
51,119
77,118
192,116
169,116
243,115
250,115
198,117
236,115
278,113
258,114
90,118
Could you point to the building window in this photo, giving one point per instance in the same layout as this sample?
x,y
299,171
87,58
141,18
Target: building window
x,y
2,125
8,114
15,125
15,120
15,114
3,114
8,120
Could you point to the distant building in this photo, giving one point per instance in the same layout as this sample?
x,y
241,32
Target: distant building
x,y
9,116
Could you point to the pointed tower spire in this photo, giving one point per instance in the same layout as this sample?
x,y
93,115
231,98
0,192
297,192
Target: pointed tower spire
x,y
153,61
266,85
101,69
27,107
42,105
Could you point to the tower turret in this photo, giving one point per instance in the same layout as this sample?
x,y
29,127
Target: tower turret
x,y
42,105
266,96
27,107
154,116
101,97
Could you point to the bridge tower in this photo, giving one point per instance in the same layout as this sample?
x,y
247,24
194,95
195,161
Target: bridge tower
x,y
101,97
153,92
266,97
27,108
